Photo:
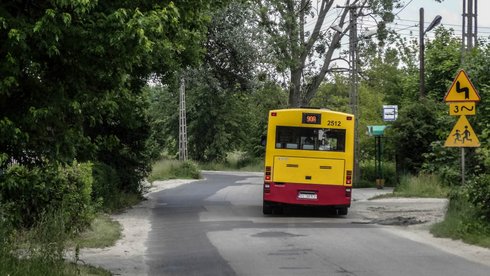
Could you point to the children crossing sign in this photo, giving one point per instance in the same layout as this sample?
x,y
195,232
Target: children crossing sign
x,y
461,98
462,135
462,90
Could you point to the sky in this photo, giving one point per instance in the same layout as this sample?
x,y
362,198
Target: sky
x,y
450,10
407,18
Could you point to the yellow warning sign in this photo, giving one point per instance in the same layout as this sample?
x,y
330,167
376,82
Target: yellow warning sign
x,y
462,90
462,135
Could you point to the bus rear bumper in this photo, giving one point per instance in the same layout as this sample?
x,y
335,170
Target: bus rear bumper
x,y
308,194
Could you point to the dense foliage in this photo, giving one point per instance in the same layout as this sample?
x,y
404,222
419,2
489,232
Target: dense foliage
x,y
72,74
29,194
226,107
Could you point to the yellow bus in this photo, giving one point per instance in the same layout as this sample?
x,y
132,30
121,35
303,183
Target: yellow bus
x,y
309,159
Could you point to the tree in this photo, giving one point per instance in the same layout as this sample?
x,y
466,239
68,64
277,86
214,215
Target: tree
x,y
412,134
306,56
72,73
443,57
217,90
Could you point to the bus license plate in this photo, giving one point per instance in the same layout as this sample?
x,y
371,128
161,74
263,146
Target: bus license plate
x,y
307,195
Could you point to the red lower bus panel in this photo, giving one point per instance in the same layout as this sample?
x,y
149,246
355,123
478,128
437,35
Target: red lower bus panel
x,y
326,195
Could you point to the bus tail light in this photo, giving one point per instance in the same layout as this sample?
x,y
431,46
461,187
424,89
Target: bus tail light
x,y
348,179
349,118
348,192
268,170
273,114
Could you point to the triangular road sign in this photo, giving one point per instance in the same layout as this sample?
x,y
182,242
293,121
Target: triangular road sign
x,y
462,90
462,135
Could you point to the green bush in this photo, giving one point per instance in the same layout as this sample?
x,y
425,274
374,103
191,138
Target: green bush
x,y
239,160
187,169
368,174
106,185
29,193
463,221
412,134
477,192
172,169
6,232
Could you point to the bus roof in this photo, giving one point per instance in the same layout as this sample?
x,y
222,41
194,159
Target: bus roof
x,y
311,109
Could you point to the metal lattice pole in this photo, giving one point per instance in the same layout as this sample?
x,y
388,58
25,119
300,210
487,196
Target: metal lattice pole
x,y
182,123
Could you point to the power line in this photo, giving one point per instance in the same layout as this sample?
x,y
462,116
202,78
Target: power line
x,y
447,24
403,7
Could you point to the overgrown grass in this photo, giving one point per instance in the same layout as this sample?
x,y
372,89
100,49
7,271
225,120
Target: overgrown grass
x,y
463,222
39,250
423,185
236,161
173,169
103,232
36,266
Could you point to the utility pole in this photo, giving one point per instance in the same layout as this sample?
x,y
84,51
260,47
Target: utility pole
x,y
354,93
354,81
421,53
470,34
182,122
470,24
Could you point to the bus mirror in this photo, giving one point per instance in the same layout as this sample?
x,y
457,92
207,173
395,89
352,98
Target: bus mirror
x,y
263,140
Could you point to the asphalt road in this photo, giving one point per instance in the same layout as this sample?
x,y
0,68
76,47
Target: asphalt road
x,y
216,227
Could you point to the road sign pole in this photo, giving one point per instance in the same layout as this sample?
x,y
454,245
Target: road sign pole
x,y
462,167
462,97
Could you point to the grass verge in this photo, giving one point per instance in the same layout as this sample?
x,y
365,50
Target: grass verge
x,y
37,266
462,222
236,161
103,232
423,185
40,250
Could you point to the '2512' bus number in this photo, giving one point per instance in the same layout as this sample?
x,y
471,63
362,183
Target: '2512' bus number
x,y
334,123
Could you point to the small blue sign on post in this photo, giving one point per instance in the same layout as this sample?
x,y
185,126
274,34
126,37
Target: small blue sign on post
x,y
390,113
376,130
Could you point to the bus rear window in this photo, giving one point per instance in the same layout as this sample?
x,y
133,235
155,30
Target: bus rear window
x,y
302,138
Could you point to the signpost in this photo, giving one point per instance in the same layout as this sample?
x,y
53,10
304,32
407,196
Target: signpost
x,y
378,132
461,97
390,113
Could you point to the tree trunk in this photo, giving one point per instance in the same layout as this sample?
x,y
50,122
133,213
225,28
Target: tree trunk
x,y
295,88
